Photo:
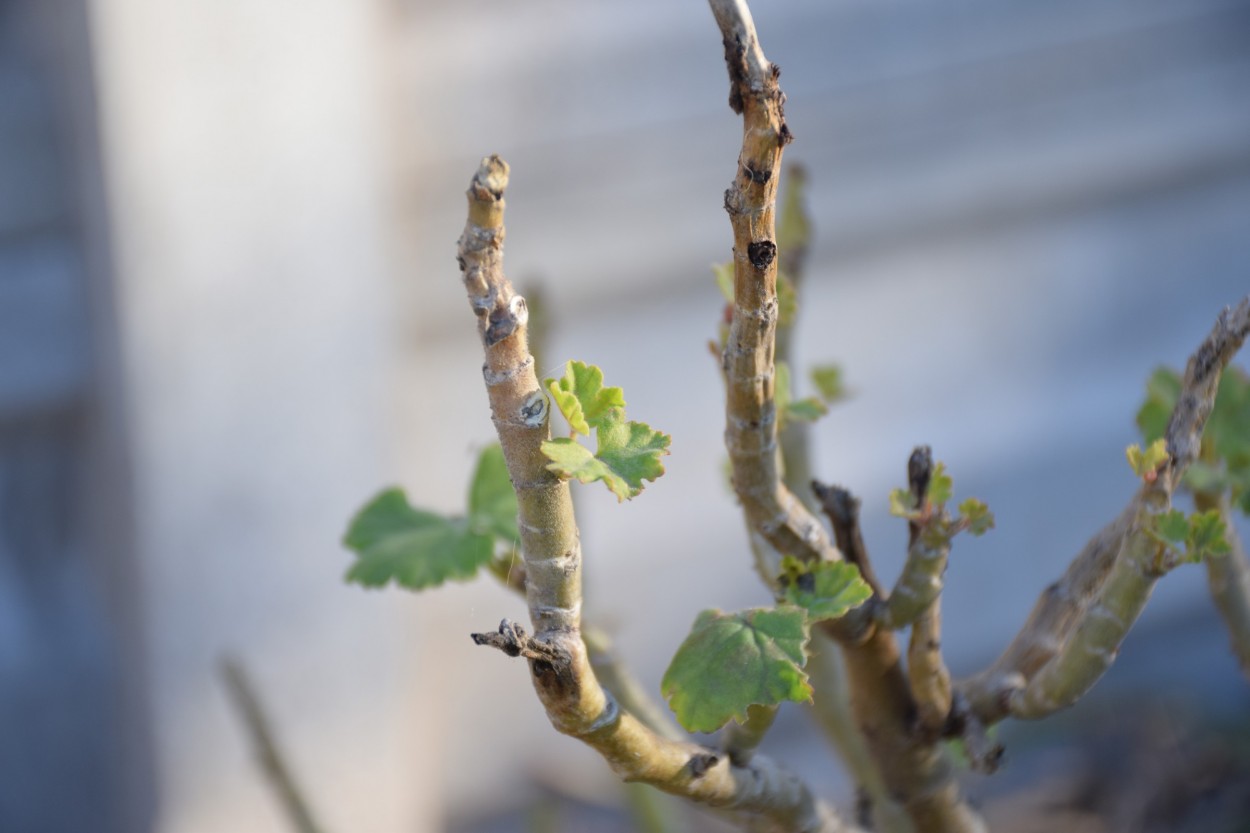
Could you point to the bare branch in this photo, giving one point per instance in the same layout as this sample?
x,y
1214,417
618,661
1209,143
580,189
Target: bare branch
x,y
920,582
1202,379
565,682
842,509
1076,627
930,680
751,432
243,696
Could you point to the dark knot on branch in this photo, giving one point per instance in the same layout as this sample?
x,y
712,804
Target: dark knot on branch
x,y
515,642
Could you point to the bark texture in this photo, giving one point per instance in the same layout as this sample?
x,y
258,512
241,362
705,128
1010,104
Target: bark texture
x,y
761,795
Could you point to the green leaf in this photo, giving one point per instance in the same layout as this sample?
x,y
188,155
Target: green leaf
x,y
828,381
414,548
1203,477
1162,391
492,501
941,486
1146,463
788,408
1172,527
787,301
1207,536
825,589
977,515
582,398
1228,429
731,661
902,504
628,453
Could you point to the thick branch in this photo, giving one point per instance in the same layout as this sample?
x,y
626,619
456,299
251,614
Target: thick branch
x,y
930,680
563,678
1076,626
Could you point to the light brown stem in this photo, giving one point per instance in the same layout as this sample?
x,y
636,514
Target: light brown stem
x,y
761,793
915,771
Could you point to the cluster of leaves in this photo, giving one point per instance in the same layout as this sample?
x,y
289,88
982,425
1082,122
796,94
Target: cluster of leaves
x,y
626,453
417,548
755,657
1223,464
1191,538
972,514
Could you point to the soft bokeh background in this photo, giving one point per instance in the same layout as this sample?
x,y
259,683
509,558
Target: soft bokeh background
x,y
230,313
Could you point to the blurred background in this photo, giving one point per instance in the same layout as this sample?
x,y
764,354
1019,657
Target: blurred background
x,y
230,313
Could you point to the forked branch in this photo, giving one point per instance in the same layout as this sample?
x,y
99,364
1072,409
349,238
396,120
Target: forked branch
x,y
760,792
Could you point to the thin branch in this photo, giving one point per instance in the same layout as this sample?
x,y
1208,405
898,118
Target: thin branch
x,y
751,432
1076,627
1228,577
916,599
917,773
1202,379
575,702
919,584
930,679
243,696
842,509
831,707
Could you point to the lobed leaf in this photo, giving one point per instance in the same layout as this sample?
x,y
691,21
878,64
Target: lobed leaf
x,y
731,661
941,486
825,589
1146,463
902,504
628,454
1171,527
414,548
582,398
1207,536
977,516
